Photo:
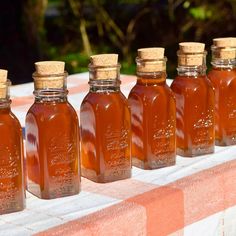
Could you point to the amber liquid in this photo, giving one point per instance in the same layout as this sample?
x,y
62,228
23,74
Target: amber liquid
x,y
12,191
52,149
105,137
153,123
194,115
224,83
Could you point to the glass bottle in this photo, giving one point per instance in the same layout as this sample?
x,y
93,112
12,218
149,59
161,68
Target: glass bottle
x,y
52,136
12,190
153,112
194,102
223,78
105,123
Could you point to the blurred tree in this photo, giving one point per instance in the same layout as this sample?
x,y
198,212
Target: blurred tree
x,y
77,10
121,36
21,37
71,30
33,19
124,26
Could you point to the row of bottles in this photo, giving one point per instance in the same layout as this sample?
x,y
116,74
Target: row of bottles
x,y
151,126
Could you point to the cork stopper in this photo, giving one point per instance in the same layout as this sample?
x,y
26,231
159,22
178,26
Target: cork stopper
x,y
191,53
151,59
225,42
225,53
106,66
49,74
191,47
224,48
151,53
3,84
3,76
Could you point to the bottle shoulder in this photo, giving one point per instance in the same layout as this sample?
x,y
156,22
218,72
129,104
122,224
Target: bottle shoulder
x,y
15,119
222,75
49,111
185,82
11,122
50,106
106,99
151,91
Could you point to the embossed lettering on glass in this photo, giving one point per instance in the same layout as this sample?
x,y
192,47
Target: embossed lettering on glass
x,y
223,78
194,102
105,123
52,136
12,189
153,118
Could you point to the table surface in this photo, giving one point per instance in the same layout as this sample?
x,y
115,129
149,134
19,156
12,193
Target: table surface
x,y
197,196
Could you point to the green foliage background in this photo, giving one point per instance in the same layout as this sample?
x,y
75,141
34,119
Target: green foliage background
x,y
72,30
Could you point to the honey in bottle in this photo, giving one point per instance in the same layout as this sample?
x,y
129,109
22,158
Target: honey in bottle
x,y
223,78
52,136
105,123
194,102
12,189
153,112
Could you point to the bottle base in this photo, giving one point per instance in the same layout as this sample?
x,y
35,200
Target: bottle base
x,y
225,142
49,194
21,207
108,176
194,152
151,165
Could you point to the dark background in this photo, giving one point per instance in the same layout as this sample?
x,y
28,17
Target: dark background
x,y
72,30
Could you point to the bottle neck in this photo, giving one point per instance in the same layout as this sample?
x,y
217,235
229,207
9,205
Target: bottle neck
x,y
191,71
5,100
224,58
51,95
191,64
5,105
151,78
151,71
50,88
104,85
104,79
223,63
